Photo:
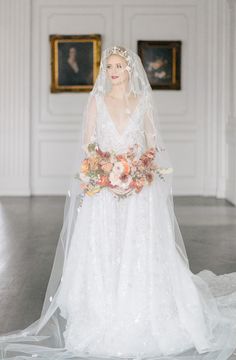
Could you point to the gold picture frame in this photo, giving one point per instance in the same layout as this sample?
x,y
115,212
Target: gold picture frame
x,y
75,61
162,63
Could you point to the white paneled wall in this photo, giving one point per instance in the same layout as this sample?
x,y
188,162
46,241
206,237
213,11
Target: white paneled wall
x,y
231,91
14,97
181,112
192,119
57,117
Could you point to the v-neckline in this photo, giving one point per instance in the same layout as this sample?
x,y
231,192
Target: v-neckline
x,y
112,121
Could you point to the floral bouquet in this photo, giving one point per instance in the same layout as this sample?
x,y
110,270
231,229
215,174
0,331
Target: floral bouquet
x,y
123,174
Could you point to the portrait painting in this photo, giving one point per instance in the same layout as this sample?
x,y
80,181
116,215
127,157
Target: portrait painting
x,y
162,63
75,62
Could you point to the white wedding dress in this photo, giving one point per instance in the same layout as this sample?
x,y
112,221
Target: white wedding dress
x,y
125,290
120,285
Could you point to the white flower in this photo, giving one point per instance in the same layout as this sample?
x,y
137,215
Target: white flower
x,y
125,184
114,179
118,167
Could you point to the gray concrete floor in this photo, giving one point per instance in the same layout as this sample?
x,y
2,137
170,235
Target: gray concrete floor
x,y
29,230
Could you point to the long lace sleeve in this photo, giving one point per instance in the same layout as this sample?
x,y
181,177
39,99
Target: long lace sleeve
x,y
150,130
89,127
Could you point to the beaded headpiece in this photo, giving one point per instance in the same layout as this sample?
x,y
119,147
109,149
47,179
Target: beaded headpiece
x,y
118,50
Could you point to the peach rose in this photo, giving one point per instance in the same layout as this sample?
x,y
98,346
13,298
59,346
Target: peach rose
x,y
103,181
85,166
126,166
93,161
107,167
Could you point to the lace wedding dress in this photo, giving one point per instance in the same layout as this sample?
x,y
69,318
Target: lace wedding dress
x,y
125,289
121,287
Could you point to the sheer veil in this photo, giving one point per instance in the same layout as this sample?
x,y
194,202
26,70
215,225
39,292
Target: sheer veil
x,y
44,338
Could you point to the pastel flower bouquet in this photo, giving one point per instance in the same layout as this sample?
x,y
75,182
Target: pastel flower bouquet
x,y
123,173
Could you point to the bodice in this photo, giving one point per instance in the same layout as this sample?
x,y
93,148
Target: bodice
x,y
107,135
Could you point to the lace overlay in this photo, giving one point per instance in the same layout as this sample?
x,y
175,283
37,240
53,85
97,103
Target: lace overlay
x,y
125,289
107,134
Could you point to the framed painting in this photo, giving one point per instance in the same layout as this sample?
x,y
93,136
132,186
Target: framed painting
x,y
162,63
75,61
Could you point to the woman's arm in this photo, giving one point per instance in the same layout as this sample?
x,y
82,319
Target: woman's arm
x,y
89,130
150,130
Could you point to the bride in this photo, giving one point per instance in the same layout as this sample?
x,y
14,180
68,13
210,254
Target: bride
x,y
121,286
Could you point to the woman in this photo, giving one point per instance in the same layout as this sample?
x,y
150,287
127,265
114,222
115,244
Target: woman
x,y
121,286
69,70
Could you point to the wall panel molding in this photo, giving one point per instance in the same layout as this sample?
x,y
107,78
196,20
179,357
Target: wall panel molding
x,y
124,22
59,115
230,127
15,21
197,122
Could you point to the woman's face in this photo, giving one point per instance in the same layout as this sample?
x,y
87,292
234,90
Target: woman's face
x,y
72,53
116,69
